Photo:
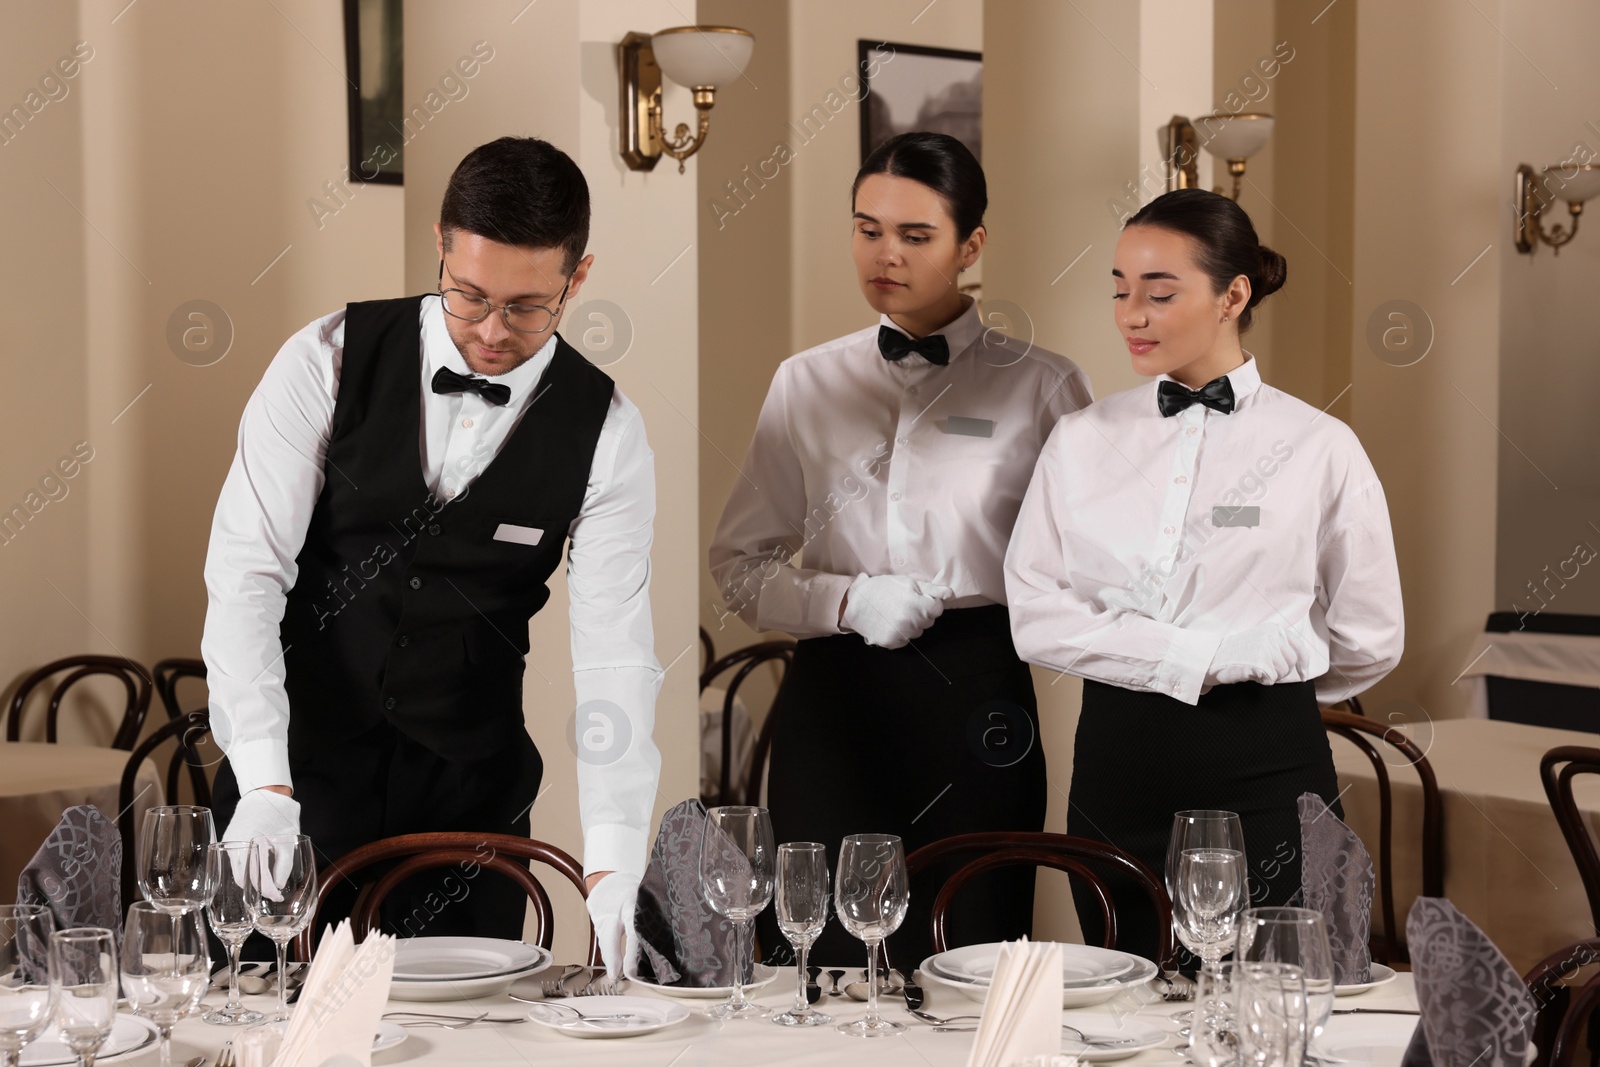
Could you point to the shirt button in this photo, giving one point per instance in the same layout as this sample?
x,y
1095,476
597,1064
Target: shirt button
x,y
450,492
903,440
390,703
435,530
1169,531
913,390
899,561
1181,479
1191,431
894,496
466,423
405,640
416,583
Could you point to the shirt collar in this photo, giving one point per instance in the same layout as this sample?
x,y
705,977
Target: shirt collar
x,y
959,334
1245,378
438,350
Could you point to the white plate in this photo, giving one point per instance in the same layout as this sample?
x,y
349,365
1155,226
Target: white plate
x,y
1112,1028
654,1015
1380,975
1080,964
456,959
1071,996
1366,1038
388,1034
764,976
129,1035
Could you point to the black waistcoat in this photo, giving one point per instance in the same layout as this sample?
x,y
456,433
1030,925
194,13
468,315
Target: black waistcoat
x,y
406,607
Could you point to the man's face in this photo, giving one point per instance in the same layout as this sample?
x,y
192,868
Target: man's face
x,y
504,274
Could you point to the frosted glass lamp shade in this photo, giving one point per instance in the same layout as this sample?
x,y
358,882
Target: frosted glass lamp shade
x,y
1573,182
1235,136
702,56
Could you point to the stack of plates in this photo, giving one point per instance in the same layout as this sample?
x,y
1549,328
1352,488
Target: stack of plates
x,y
1088,975
450,968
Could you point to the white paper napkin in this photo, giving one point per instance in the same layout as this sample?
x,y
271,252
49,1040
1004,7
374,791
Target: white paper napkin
x,y
345,992
1022,1013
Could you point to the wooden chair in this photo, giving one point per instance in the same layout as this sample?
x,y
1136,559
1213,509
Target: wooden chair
x,y
168,673
1562,1023
132,675
1557,768
1074,855
747,659
709,647
191,731
424,852
1387,947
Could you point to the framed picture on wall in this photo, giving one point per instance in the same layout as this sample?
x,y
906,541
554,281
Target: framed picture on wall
x,y
909,87
374,52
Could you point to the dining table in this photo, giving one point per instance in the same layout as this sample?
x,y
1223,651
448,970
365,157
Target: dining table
x,y
1369,1028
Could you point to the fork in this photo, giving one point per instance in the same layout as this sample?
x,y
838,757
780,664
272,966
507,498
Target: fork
x,y
558,987
225,1057
602,986
1179,988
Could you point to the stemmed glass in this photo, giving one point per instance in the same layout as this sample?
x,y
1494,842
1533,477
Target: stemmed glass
x,y
164,978
231,920
83,977
26,999
871,895
736,873
280,889
1297,936
802,911
1209,832
172,869
1270,1005
1214,1036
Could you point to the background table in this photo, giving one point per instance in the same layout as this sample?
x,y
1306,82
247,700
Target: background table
x,y
1506,864
39,781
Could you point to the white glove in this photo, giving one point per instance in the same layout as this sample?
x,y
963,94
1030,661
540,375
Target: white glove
x,y
611,903
888,610
1265,653
263,813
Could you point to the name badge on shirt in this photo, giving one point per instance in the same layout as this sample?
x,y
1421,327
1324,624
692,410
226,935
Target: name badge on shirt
x,y
521,535
1244,515
965,427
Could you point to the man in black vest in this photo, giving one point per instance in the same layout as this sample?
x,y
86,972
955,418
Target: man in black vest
x,y
408,474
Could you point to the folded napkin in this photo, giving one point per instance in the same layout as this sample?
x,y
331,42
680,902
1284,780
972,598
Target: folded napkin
x,y
1022,1013
1476,1010
345,991
681,940
1336,878
77,873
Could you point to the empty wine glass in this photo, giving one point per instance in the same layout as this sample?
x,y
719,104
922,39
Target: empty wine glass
x,y
1270,1008
736,873
1214,1034
172,868
280,887
802,912
232,920
26,999
871,895
164,978
1297,936
83,976
1210,895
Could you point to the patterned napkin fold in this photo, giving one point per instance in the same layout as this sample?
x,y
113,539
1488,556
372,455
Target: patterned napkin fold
x,y
77,873
1476,1010
1336,878
681,940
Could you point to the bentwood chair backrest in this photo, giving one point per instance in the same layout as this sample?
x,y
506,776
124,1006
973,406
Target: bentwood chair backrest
x,y
747,659
168,673
1557,769
1356,729
1077,856
1561,1025
193,750
133,676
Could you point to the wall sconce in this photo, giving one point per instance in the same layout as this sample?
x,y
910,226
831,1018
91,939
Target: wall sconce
x,y
700,57
1572,182
1234,137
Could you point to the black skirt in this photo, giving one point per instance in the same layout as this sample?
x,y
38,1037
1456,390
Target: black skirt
x,y
938,738
1142,757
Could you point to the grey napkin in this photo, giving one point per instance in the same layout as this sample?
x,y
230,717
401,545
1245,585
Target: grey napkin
x,y
1336,878
1476,1010
681,940
77,872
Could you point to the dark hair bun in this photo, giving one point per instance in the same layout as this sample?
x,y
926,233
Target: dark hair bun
x,y
940,162
1274,271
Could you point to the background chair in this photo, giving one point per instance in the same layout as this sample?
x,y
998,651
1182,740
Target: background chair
x,y
747,659
168,673
191,732
1557,769
1564,1020
134,677
1387,947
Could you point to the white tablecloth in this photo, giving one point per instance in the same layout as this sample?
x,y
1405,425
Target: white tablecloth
x,y
1562,659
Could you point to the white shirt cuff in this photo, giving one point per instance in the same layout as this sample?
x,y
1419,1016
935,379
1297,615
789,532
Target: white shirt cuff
x,y
824,594
614,847
259,763
1188,658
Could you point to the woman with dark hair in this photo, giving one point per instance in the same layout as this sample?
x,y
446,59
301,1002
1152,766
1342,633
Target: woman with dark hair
x,y
891,462
1212,556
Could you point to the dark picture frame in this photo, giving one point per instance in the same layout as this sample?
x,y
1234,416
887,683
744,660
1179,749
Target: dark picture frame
x,y
948,83
376,102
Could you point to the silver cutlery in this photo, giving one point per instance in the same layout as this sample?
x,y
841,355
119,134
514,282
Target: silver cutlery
x,y
449,1022
1375,1011
834,990
558,987
1179,988
225,1057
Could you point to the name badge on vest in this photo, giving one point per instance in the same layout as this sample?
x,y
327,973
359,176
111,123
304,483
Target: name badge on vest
x,y
520,535
1244,515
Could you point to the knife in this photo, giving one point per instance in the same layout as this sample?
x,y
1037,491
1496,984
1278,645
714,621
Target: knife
x,y
1375,1011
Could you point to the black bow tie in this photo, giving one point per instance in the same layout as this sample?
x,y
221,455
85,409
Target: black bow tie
x,y
896,346
1216,394
448,381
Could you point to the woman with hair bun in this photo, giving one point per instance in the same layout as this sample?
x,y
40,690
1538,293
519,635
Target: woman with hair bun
x,y
871,521
1211,555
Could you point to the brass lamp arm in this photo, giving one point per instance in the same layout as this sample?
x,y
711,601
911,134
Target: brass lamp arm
x,y
680,146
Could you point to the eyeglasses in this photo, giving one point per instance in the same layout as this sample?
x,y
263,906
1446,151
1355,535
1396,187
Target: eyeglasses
x,y
523,318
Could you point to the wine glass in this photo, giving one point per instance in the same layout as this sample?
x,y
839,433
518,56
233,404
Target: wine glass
x,y
802,911
736,867
163,978
173,871
83,977
1297,936
232,921
280,889
1210,895
1214,1035
1270,1007
871,895
26,999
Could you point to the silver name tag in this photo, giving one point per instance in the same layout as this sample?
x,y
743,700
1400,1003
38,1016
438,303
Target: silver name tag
x,y
1244,515
521,535
959,424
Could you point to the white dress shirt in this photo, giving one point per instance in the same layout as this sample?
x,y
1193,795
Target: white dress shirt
x,y
873,467
266,506
1136,551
